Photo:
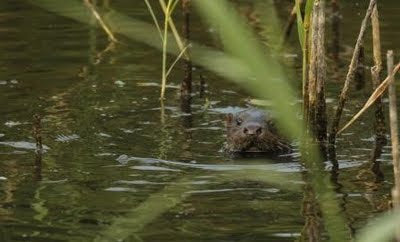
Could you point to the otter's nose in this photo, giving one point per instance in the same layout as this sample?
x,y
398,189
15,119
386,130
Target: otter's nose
x,y
253,130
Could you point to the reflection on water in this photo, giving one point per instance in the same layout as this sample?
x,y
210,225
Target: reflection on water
x,y
115,157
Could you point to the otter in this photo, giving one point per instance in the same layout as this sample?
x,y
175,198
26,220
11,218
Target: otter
x,y
254,131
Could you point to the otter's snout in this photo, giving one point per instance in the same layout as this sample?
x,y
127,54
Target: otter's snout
x,y
253,129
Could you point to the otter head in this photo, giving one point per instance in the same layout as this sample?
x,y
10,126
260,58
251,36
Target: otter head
x,y
253,130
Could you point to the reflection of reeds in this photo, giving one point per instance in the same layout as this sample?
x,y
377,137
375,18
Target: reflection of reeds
x,y
100,20
37,132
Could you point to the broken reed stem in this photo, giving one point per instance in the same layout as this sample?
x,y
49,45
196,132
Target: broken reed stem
x,y
100,20
376,73
394,132
350,75
186,85
317,73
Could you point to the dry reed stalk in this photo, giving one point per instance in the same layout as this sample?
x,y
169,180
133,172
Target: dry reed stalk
x,y
394,136
174,31
394,132
317,73
350,75
374,96
100,20
167,12
376,73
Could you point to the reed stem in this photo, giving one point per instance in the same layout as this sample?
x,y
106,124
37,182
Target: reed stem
x,y
100,20
317,73
394,137
376,74
186,85
164,49
350,75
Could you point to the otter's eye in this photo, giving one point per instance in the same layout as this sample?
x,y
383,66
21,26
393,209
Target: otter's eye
x,y
238,121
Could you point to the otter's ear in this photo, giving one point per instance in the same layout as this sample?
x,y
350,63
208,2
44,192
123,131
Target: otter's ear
x,y
229,119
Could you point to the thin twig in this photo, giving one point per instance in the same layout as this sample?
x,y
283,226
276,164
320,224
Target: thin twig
x,y
374,96
175,33
176,60
350,74
164,46
154,18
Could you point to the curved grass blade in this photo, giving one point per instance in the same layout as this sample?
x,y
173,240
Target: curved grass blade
x,y
150,8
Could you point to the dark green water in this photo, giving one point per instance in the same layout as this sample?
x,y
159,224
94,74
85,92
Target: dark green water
x,y
113,155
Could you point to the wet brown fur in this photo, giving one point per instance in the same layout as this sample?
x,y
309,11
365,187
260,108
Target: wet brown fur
x,y
267,141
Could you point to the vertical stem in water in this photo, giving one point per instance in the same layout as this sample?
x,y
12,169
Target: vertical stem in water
x,y
317,74
394,133
376,73
186,86
164,49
